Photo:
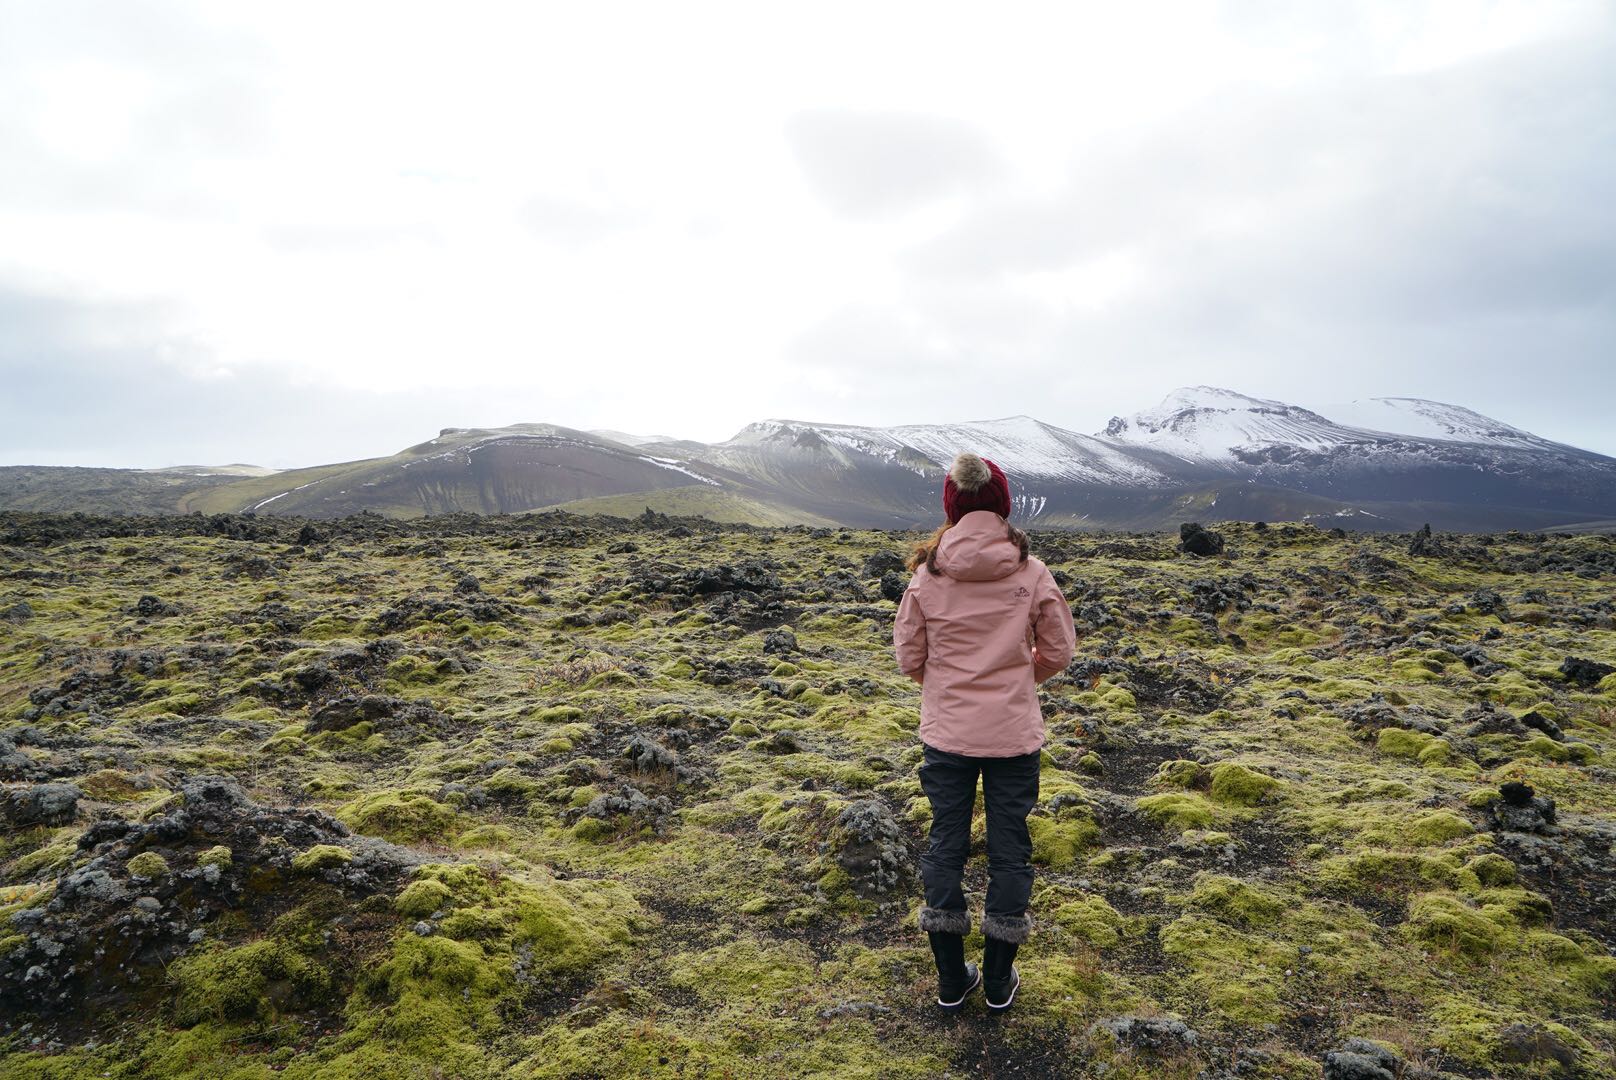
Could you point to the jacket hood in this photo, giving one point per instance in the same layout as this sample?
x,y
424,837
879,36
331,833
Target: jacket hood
x,y
977,549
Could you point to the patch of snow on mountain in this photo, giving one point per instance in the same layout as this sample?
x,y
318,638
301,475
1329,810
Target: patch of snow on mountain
x,y
283,494
1208,424
1020,445
1430,420
1023,446
1027,506
679,467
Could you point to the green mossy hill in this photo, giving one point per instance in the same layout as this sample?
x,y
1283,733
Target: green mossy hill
x,y
555,795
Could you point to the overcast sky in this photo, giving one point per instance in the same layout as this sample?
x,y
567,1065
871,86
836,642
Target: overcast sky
x,y
287,233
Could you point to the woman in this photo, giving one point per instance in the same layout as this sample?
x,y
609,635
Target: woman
x,y
980,625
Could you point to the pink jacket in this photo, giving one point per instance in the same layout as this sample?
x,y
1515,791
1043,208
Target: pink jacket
x,y
980,636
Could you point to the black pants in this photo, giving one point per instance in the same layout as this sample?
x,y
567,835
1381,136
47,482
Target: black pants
x,y
1010,789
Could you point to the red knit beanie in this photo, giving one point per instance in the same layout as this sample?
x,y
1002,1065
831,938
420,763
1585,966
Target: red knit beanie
x,y
974,483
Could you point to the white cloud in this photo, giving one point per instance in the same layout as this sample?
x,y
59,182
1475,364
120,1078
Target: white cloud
x,y
683,217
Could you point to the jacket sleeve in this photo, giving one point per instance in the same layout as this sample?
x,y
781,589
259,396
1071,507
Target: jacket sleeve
x,y
1054,635
909,634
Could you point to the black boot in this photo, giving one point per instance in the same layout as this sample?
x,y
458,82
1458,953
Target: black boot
x,y
1002,937
955,977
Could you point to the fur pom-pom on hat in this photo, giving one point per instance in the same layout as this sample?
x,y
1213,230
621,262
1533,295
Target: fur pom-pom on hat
x,y
969,472
975,483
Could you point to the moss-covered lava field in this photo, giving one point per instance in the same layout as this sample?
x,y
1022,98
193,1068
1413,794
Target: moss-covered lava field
x,y
562,796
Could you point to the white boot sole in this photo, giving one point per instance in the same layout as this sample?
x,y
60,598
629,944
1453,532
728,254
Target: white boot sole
x,y
1013,988
965,994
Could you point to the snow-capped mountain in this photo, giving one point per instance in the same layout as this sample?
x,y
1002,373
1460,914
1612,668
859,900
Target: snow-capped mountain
x,y
1432,420
1205,424
1018,444
1203,452
1203,446
1407,456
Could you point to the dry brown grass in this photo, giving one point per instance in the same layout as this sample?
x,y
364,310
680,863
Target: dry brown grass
x,y
573,672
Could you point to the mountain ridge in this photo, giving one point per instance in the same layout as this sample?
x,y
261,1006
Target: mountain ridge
x,y
1199,445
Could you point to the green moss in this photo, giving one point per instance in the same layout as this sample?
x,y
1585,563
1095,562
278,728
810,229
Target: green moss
x,y
217,983
571,924
1445,921
486,836
1435,827
422,898
1492,870
1233,901
1180,810
148,864
321,857
1091,919
1240,975
111,785
408,671
1181,773
1471,1031
1546,748
436,995
740,1041
219,855
746,970
530,975
1515,906
1379,872
1057,843
1399,742
1376,790
1240,786
401,816
50,858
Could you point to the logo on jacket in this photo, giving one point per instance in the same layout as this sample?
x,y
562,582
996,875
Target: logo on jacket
x,y
1021,590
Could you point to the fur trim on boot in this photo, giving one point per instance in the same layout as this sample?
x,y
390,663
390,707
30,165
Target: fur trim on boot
x,y
936,920
1012,928
969,472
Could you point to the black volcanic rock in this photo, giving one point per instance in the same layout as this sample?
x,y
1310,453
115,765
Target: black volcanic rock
x,y
883,562
1584,672
749,575
1516,793
41,804
1360,1059
1521,810
1423,543
871,848
780,641
142,894
1196,540
150,607
893,585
